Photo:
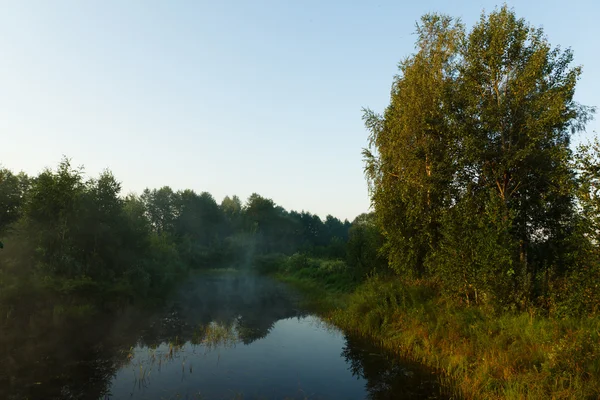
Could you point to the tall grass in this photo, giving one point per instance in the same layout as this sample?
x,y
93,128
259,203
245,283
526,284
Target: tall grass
x,y
481,354
324,283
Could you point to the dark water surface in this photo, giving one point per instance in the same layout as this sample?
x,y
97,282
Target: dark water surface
x,y
222,336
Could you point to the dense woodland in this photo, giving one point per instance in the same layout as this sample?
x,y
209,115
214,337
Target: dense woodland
x,y
76,237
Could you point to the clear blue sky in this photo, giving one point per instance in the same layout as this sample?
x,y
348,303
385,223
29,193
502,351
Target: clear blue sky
x,y
223,96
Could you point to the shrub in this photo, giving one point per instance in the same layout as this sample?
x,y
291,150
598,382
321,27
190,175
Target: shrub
x,y
269,264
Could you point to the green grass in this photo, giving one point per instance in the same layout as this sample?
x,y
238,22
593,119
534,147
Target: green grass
x,y
324,283
481,354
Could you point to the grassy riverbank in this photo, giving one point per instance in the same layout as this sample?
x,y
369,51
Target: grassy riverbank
x,y
482,354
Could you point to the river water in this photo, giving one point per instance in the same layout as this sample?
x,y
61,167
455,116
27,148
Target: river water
x,y
221,336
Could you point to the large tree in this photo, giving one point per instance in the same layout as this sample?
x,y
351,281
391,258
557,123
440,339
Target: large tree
x,y
410,163
470,165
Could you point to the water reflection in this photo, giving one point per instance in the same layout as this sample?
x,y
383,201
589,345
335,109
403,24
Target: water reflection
x,y
253,303
387,377
221,336
299,359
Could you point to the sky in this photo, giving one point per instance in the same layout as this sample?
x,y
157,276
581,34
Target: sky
x,y
229,97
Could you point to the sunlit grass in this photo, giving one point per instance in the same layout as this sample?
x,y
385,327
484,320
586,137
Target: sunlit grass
x,y
215,335
324,283
480,354
510,356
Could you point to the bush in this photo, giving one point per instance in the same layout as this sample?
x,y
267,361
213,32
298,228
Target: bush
x,y
269,264
334,266
577,294
300,261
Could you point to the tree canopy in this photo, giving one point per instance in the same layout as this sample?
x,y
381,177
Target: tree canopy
x,y
470,165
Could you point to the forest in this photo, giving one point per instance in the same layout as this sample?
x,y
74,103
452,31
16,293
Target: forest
x,y
80,240
480,256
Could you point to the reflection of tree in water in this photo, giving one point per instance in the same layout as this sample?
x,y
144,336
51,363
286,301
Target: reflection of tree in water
x,y
386,376
251,304
45,359
41,358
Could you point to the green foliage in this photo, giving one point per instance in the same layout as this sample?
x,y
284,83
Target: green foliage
x,y
305,271
377,300
587,165
80,241
232,211
474,257
300,261
364,250
12,194
160,205
269,264
576,293
276,230
411,162
470,169
478,354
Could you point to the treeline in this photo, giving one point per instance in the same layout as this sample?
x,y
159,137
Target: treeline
x,y
473,178
80,238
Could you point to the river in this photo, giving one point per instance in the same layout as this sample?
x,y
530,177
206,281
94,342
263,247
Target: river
x,y
220,336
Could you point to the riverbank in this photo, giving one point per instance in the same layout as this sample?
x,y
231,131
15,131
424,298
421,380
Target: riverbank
x,y
482,354
222,334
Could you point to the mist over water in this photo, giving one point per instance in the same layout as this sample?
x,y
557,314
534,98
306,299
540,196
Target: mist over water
x,y
228,335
